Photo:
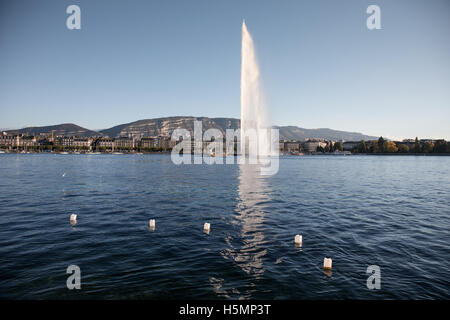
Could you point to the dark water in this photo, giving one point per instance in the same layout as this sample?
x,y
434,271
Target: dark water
x,y
393,212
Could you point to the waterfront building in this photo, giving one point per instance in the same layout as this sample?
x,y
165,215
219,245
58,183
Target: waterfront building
x,y
65,142
124,143
313,144
105,143
73,142
292,147
166,142
28,141
82,143
10,140
44,141
147,143
17,141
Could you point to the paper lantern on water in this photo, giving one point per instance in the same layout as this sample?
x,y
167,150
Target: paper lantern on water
x,y
327,262
298,240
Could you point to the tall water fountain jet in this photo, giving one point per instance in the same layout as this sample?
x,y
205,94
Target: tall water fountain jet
x,y
253,112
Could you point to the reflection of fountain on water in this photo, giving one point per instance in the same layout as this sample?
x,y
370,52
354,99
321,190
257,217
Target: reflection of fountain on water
x,y
252,189
252,196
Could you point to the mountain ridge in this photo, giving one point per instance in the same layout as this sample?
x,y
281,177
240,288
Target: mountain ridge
x,y
66,129
165,125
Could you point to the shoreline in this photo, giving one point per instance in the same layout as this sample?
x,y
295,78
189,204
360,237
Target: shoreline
x,y
168,152
83,153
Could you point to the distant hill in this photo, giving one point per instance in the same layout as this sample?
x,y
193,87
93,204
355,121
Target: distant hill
x,y
165,127
65,129
296,133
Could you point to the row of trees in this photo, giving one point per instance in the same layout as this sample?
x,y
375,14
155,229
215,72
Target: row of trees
x,y
383,146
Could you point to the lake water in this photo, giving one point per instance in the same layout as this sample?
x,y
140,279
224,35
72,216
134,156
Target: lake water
x,y
389,211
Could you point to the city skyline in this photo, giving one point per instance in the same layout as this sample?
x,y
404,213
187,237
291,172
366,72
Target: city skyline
x,y
320,65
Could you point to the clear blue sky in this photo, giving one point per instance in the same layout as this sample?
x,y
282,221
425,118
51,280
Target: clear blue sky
x,y
320,65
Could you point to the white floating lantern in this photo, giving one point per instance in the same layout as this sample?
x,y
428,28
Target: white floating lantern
x,y
298,240
207,227
73,218
327,262
152,223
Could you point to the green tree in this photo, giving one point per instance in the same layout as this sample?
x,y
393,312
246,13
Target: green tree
x,y
428,147
440,146
381,142
361,148
403,148
374,148
390,147
338,146
417,147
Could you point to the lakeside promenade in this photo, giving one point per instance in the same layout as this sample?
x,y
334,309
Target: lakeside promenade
x,y
18,143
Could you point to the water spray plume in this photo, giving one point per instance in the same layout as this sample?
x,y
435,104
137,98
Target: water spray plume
x,y
253,112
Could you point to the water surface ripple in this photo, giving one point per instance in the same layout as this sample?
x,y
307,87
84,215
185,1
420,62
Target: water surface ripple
x,y
389,211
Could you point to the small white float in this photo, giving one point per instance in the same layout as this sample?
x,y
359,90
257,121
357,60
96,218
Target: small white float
x,y
327,262
298,240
